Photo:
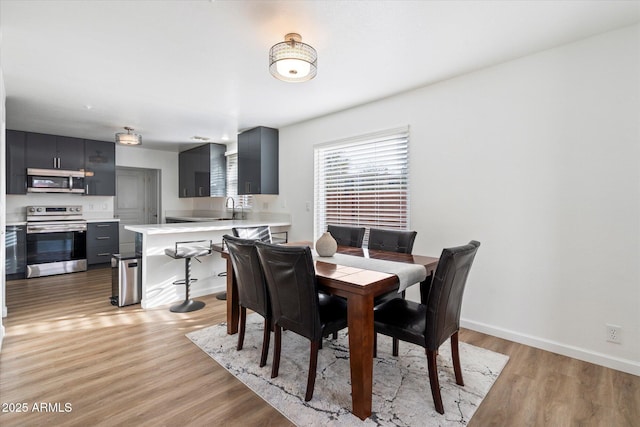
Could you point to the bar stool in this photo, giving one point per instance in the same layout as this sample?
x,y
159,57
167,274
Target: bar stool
x,y
189,250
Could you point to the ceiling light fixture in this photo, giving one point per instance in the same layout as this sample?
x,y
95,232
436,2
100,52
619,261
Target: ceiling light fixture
x,y
292,60
128,138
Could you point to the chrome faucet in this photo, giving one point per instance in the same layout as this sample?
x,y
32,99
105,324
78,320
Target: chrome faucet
x,y
233,206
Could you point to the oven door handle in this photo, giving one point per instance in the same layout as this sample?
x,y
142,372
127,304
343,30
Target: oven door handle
x,y
39,229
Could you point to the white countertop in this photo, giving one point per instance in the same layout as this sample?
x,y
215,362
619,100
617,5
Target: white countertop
x,y
10,223
195,227
103,219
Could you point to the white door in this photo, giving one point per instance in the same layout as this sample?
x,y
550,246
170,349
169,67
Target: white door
x,y
136,202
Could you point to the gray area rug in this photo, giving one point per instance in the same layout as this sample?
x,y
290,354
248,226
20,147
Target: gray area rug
x,y
401,393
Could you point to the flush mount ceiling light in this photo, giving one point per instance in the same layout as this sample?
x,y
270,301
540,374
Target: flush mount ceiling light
x,y
292,60
129,138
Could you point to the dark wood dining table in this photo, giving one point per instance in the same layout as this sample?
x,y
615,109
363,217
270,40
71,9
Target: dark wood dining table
x,y
360,287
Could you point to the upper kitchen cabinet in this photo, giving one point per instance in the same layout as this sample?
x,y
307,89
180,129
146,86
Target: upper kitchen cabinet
x,y
258,161
202,171
15,162
100,168
54,152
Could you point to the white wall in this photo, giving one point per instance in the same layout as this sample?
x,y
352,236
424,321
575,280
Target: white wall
x,y
538,159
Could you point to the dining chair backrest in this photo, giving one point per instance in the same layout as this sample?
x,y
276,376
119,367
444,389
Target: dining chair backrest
x,y
252,287
400,241
445,296
291,280
347,236
261,232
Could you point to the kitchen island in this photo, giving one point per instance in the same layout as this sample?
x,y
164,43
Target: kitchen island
x,y
159,271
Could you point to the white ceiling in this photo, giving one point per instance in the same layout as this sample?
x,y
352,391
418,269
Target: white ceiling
x,y
175,69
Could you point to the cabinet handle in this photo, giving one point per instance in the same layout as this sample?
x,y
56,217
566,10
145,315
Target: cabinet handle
x,y
86,189
247,187
103,225
104,254
199,191
59,163
103,238
55,162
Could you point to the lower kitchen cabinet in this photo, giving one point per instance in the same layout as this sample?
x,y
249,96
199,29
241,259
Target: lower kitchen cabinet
x,y
15,246
102,242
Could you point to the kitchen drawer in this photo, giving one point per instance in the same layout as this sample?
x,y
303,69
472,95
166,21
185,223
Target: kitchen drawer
x,y
101,254
102,232
102,241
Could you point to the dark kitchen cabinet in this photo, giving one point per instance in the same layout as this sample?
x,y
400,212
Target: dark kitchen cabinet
x,y
54,152
100,168
202,171
102,242
16,167
258,161
15,247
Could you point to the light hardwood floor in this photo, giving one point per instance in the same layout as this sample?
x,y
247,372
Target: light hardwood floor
x,y
126,366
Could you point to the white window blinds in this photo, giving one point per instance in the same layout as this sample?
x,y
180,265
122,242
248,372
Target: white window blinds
x,y
232,182
363,181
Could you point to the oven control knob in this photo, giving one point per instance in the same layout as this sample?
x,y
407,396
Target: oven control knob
x,y
32,209
39,209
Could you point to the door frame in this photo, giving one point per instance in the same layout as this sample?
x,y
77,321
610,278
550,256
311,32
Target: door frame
x,y
152,179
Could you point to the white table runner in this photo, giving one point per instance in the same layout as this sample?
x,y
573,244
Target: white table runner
x,y
408,274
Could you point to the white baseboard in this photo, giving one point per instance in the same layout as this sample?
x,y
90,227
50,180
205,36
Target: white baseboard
x,y
624,365
207,290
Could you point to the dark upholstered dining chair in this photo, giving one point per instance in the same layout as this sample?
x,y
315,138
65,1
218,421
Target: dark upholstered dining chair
x,y
252,288
296,305
260,232
400,241
430,325
347,236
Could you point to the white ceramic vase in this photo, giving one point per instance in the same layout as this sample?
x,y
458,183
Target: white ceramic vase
x,y
326,245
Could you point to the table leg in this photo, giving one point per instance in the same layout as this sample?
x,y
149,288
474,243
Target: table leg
x,y
360,319
233,308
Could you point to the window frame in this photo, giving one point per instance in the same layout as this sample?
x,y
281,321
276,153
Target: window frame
x,y
379,160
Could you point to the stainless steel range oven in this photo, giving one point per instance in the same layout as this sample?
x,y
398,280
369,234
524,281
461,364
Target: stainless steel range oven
x,y
56,240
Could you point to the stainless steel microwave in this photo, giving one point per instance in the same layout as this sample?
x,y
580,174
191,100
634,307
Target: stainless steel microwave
x,y
55,181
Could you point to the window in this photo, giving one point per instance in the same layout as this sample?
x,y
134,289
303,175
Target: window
x,y
232,182
363,181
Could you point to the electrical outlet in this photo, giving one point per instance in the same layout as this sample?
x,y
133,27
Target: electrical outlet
x,y
614,333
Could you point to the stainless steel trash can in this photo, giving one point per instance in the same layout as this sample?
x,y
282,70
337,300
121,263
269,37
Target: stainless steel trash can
x,y
126,279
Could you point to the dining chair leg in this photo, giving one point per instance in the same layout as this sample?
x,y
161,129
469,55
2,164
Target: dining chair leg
x,y
243,324
455,356
433,380
313,366
276,351
375,344
396,345
335,335
265,342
